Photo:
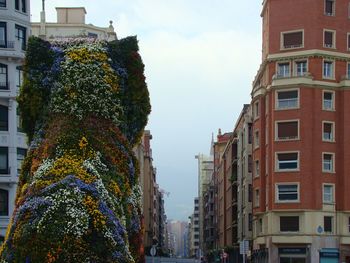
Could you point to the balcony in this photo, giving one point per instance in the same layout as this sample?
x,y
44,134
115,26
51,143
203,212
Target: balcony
x,y
7,44
4,85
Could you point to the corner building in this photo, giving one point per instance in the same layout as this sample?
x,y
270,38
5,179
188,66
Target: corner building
x,y
14,31
301,133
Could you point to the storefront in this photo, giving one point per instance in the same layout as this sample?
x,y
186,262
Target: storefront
x,y
329,255
292,254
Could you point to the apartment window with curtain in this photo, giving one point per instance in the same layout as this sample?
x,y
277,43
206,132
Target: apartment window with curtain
x,y
3,77
328,69
329,9
3,34
328,194
4,202
328,131
328,100
329,39
328,162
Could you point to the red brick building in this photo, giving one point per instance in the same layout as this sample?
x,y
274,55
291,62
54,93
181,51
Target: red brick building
x,y
301,131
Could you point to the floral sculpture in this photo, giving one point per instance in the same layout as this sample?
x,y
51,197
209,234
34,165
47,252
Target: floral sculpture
x,y
84,104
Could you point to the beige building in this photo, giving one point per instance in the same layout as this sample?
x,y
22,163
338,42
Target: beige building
x,y
71,23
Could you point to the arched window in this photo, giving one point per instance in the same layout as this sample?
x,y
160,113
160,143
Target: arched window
x,y
4,202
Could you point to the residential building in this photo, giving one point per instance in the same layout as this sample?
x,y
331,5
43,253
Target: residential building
x,y
14,31
301,128
71,23
205,171
178,231
194,231
209,224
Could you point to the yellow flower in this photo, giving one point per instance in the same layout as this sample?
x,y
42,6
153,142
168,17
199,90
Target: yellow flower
x,y
83,142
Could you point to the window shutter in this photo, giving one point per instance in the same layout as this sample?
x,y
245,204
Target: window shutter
x,y
287,156
292,39
288,129
288,95
327,157
327,96
327,127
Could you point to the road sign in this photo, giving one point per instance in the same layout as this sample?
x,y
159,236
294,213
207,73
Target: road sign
x,y
153,251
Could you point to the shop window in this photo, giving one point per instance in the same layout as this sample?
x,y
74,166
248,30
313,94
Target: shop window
x,y
328,224
289,223
4,202
287,161
287,99
292,39
287,130
328,100
287,192
328,131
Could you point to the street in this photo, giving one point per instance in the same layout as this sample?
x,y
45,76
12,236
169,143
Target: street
x,y
171,260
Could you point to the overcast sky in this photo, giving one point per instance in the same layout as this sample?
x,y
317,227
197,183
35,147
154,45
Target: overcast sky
x,y
201,57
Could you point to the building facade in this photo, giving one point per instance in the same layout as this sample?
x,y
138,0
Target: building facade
x,y
71,23
194,231
301,128
14,31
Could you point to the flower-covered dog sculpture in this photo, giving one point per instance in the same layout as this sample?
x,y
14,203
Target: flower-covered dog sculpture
x,y
84,105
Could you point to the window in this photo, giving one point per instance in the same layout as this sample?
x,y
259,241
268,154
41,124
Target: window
x,y
328,196
250,192
349,224
17,4
2,3
257,198
287,130
349,34
19,77
3,118
19,121
328,131
328,222
21,35
24,7
256,109
289,223
348,71
256,139
257,168
3,34
4,160
250,163
329,39
287,161
300,68
3,77
260,226
250,222
287,192
292,39
4,202
21,154
329,7
287,99
328,69
250,133
328,162
328,100
283,70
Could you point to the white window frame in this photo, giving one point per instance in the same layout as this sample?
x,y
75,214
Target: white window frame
x,y
334,34
285,90
332,201
256,142
257,197
295,69
288,75
287,170
332,164
277,200
256,110
276,130
256,168
333,100
333,131
332,61
291,31
324,9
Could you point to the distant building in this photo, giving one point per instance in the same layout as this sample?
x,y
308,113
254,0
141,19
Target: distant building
x,y
71,23
14,32
178,233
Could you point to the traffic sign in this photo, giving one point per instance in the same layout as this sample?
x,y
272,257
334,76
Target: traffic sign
x,y
243,247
